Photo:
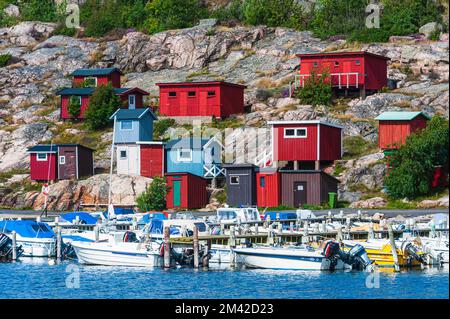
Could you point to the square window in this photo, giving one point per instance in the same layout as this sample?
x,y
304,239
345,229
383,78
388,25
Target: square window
x,y
289,132
316,64
41,157
184,155
62,160
211,93
126,125
90,81
123,154
301,132
234,180
191,93
358,62
336,64
172,94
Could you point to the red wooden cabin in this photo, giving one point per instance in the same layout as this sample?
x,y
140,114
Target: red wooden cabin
x,y
268,188
395,127
186,191
306,141
132,98
347,70
60,161
100,76
152,159
218,99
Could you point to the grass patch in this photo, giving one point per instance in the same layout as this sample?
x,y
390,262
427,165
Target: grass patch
x,y
338,169
356,146
4,176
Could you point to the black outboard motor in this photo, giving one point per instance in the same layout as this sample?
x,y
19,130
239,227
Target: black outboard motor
x,y
331,251
358,258
6,251
413,252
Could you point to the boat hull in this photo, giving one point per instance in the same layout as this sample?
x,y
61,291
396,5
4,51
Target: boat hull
x,y
127,254
37,247
286,259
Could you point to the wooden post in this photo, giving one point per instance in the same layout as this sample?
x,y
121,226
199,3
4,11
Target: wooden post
x,y
393,247
97,233
371,234
222,228
339,234
295,165
232,244
317,165
58,244
56,221
196,248
14,245
269,235
347,228
167,247
206,255
291,227
256,228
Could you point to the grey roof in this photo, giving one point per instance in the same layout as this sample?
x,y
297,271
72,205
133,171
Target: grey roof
x,y
47,148
94,72
127,114
86,91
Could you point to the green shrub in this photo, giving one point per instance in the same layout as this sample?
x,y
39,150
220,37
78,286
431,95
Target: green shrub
x,y
356,146
413,163
154,197
317,89
160,127
102,104
4,59
173,14
348,17
273,13
74,107
40,10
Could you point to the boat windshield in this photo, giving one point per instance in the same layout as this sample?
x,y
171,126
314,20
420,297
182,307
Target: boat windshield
x,y
251,214
201,227
226,214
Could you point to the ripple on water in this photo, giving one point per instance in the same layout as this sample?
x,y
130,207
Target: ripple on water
x,y
35,278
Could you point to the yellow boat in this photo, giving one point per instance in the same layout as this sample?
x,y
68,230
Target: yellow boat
x,y
380,252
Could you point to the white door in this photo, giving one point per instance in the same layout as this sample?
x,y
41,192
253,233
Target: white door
x,y
128,160
131,102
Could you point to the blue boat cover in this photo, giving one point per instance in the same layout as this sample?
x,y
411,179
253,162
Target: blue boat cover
x,y
27,228
282,216
149,217
77,238
85,218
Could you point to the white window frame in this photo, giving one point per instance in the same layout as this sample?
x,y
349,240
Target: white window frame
x,y
123,157
92,77
238,179
40,159
126,129
62,160
184,159
296,128
134,101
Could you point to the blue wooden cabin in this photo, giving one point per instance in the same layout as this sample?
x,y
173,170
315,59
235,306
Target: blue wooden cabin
x,y
201,157
133,126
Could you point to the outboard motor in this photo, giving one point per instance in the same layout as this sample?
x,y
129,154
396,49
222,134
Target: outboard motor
x,y
6,248
130,237
331,252
358,257
412,251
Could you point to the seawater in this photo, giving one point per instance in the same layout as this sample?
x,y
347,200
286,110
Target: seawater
x,y
35,278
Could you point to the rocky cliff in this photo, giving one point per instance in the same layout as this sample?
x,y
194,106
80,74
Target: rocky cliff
x,y
263,58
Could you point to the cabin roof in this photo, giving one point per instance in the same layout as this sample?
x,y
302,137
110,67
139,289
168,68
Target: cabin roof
x,y
305,122
95,72
338,54
53,148
90,91
400,116
200,83
136,114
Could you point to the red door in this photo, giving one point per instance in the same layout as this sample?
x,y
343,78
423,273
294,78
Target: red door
x,y
152,160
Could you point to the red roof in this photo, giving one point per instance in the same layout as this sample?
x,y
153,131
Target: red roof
x,y
333,54
205,83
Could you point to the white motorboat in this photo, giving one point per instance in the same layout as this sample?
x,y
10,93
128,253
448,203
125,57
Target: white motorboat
x,y
437,248
117,252
37,239
287,259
